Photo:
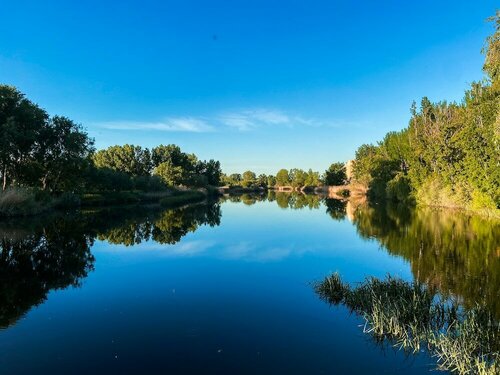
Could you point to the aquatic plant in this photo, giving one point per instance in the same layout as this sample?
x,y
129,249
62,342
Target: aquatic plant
x,y
412,315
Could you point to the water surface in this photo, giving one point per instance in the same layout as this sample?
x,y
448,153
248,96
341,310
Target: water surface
x,y
224,288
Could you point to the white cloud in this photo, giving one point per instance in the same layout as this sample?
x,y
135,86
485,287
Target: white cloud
x,y
242,120
250,119
175,124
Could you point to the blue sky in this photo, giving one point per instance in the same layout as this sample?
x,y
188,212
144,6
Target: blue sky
x,y
255,84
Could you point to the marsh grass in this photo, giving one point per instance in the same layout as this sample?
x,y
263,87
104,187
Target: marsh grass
x,y
411,316
21,202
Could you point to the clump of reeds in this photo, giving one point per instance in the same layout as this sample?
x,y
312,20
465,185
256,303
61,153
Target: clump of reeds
x,y
411,315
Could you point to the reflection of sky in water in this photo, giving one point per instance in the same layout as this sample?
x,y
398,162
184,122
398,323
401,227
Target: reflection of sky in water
x,y
229,299
262,232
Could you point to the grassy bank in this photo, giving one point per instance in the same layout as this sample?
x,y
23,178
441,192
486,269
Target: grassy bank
x,y
26,202
16,202
181,198
412,317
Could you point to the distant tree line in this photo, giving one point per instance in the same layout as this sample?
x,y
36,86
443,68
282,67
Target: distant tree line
x,y
449,154
296,178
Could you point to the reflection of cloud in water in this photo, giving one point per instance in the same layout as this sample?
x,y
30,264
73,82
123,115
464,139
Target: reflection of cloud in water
x,y
187,248
239,250
244,250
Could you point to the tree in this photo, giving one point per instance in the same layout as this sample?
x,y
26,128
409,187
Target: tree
x,y
62,154
313,178
249,178
335,174
297,177
212,171
271,181
282,178
20,123
130,159
262,180
171,174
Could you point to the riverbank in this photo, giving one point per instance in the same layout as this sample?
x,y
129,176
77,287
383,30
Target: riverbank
x,y
21,202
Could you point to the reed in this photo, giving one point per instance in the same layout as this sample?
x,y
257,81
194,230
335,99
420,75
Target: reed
x,y
412,316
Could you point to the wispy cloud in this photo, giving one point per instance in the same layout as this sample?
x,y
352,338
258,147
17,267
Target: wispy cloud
x,y
250,119
240,120
177,124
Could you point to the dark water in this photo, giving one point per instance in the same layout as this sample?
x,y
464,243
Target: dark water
x,y
225,288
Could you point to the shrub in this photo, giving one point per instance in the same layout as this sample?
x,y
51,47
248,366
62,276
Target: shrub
x,y
481,200
399,188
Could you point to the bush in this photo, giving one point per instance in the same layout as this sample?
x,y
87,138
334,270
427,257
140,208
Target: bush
x,y
481,200
399,188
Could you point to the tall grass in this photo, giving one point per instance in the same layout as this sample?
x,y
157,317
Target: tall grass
x,y
410,315
20,202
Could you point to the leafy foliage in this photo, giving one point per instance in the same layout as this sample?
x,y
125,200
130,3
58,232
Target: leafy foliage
x,y
449,155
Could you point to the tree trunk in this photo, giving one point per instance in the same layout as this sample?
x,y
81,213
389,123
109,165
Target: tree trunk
x,y
4,184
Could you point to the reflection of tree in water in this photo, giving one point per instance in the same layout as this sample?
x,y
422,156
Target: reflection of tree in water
x,y
52,257
43,254
293,200
166,227
175,224
336,208
456,253
248,199
297,201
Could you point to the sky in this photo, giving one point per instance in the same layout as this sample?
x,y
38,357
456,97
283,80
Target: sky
x,y
256,84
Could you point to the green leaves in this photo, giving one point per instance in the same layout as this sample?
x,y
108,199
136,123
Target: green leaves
x,y
36,150
454,148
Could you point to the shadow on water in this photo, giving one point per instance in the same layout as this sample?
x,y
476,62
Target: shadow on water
x,y
39,257
52,252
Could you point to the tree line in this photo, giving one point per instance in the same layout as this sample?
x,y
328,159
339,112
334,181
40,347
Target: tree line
x,y
449,154
295,177
55,154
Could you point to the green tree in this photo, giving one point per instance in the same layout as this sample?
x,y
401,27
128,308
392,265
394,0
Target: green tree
x,y
282,178
261,180
271,181
335,174
172,175
313,178
249,179
20,123
62,154
130,159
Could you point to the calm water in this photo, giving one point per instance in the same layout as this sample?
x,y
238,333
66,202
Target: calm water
x,y
224,288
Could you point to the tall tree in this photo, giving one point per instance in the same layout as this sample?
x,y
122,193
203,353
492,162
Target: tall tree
x,y
20,123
